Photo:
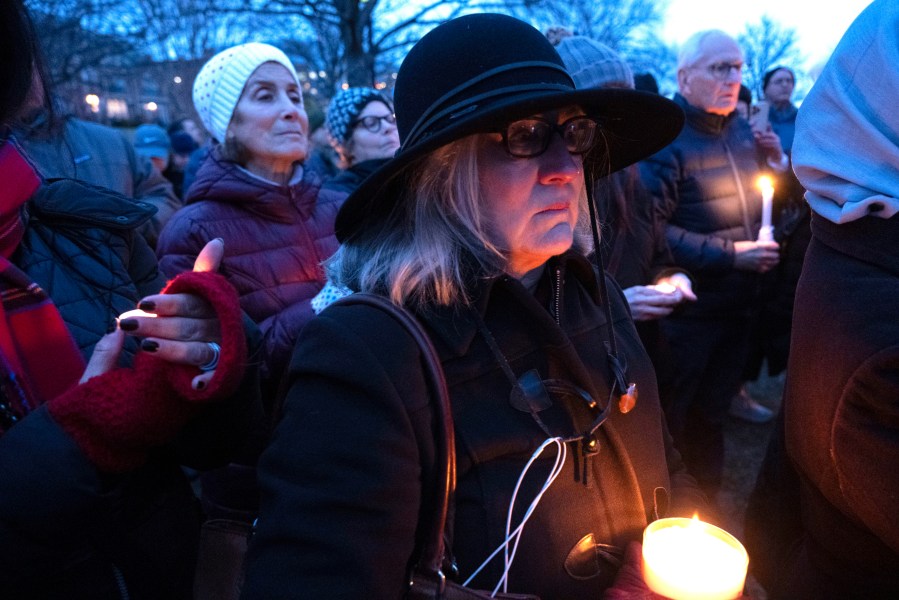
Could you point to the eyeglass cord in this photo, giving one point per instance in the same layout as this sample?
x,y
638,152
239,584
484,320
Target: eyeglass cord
x,y
514,537
506,367
618,369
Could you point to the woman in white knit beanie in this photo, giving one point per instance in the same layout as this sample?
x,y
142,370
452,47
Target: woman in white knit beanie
x,y
254,192
262,132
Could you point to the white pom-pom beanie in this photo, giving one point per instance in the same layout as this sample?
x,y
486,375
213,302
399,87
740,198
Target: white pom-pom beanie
x,y
220,82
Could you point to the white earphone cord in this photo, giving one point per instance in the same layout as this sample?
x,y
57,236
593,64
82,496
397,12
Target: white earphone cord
x,y
516,534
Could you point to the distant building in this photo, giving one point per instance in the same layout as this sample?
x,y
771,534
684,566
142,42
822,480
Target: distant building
x,y
130,95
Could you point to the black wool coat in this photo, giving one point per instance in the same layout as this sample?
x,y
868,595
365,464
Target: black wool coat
x,y
342,480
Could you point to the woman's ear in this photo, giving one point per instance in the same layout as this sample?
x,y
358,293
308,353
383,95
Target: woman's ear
x,y
345,152
683,80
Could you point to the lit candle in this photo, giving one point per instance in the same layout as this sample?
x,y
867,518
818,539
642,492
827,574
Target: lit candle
x,y
687,559
766,233
135,313
665,288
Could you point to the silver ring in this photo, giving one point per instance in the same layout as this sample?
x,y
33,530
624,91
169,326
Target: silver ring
x,y
214,362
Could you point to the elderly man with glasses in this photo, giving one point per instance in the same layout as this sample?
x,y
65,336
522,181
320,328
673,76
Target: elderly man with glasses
x,y
705,184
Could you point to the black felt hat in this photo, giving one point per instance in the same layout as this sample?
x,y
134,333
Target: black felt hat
x,y
477,73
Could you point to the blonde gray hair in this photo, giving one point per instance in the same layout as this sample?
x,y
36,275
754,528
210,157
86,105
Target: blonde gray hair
x,y
434,242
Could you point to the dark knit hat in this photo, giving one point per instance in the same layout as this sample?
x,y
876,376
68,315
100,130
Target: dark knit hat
x,y
345,107
16,57
594,65
477,73
183,143
769,74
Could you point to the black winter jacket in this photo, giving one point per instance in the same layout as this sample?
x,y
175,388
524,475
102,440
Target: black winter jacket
x,y
66,529
342,480
705,185
78,237
633,235
348,180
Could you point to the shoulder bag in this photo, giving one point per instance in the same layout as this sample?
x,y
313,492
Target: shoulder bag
x,y
427,581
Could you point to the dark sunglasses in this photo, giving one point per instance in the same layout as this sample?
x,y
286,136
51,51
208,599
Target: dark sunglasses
x,y
528,138
373,123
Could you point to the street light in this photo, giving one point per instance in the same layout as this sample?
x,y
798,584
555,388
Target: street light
x,y
93,100
151,106
177,79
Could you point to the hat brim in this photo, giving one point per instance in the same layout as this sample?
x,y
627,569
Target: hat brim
x,y
635,126
152,151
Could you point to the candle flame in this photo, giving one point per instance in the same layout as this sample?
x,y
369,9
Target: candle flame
x,y
765,183
135,313
665,288
695,524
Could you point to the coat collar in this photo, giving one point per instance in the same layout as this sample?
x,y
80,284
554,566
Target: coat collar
x,y
456,327
76,202
701,120
221,180
783,115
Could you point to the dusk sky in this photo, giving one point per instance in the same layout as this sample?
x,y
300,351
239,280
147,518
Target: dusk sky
x,y
819,25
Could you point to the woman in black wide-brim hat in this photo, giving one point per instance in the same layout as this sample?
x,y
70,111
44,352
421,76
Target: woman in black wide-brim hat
x,y
476,226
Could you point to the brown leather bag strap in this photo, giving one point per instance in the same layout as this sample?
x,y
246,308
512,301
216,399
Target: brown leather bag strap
x,y
433,549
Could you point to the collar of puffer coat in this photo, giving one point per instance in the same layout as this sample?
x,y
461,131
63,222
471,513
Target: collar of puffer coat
x,y
222,180
703,121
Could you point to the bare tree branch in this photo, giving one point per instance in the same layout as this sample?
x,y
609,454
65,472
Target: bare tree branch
x,y
765,45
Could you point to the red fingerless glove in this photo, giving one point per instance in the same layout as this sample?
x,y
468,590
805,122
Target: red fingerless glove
x,y
216,290
117,417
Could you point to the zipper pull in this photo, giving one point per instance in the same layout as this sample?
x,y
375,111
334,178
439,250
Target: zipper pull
x,y
628,400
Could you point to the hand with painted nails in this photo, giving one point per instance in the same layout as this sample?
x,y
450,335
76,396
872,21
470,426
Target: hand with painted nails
x,y
181,328
194,353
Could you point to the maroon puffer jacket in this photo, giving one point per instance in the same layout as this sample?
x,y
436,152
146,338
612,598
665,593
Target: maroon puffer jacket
x,y
276,237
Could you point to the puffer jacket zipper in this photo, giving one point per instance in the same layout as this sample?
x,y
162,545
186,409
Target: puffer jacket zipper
x,y
744,204
557,297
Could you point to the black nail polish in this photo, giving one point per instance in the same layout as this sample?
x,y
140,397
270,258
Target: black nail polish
x,y
149,345
112,326
147,305
128,324
201,385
